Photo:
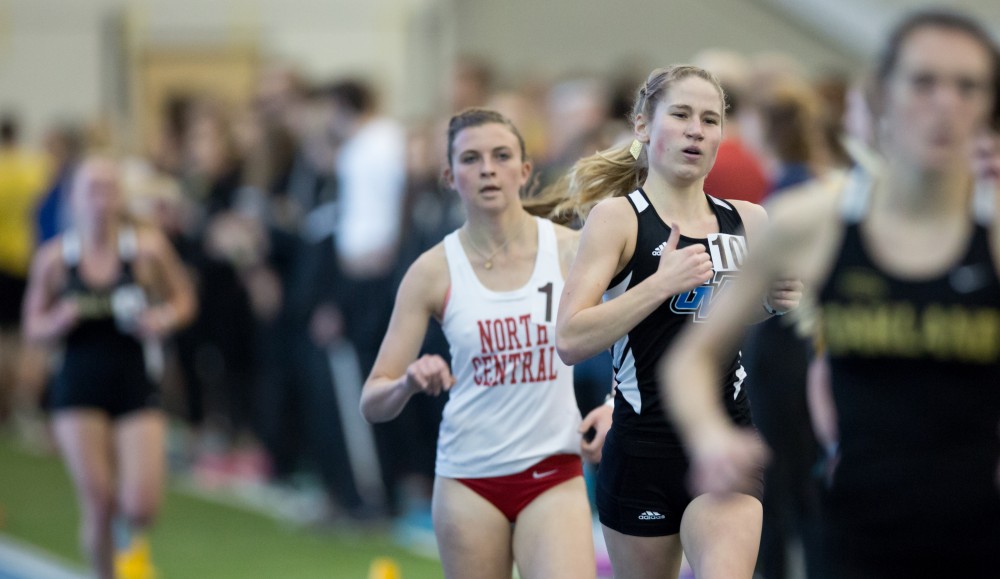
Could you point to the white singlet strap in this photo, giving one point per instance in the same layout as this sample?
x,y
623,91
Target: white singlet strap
x,y
640,202
857,192
128,243
984,201
71,248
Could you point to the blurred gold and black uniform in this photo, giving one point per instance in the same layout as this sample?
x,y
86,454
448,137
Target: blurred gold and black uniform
x,y
915,371
104,363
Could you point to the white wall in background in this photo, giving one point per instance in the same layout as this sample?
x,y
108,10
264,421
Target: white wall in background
x,y
54,53
553,37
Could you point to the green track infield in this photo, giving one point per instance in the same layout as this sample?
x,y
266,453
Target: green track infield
x,y
194,538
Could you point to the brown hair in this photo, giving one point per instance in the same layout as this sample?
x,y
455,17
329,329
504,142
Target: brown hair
x,y
475,117
353,94
938,18
613,172
792,115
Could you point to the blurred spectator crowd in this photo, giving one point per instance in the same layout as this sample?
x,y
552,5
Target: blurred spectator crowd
x,y
296,218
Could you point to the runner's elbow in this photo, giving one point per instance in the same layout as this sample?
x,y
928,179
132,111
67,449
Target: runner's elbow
x,y
570,351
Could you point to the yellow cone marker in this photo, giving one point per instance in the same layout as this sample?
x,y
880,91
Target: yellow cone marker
x,y
384,568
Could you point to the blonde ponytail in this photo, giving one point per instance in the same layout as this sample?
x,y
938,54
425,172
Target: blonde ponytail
x,y
603,175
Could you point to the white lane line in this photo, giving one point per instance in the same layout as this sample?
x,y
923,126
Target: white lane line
x,y
20,559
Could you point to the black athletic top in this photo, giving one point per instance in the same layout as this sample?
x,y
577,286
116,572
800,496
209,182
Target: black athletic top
x,y
113,309
638,411
103,342
915,369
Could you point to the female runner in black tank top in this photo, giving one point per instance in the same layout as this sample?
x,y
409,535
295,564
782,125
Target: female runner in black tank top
x,y
905,267
109,292
659,251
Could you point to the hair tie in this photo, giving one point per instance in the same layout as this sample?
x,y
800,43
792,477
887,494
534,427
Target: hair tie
x,y
635,149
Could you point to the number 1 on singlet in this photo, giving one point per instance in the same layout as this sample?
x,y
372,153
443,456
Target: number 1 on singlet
x,y
547,290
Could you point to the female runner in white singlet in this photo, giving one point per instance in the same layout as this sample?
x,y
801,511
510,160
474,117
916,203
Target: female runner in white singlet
x,y
509,485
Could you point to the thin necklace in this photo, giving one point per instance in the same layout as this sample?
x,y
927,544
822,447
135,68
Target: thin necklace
x,y
488,264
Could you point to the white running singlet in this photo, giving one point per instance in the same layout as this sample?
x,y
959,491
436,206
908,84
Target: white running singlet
x,y
513,403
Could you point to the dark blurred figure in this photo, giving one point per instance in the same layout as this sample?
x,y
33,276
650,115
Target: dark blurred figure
x,y
294,192
577,112
23,177
217,352
782,121
783,124
737,173
64,145
471,83
351,279
832,90
167,150
213,169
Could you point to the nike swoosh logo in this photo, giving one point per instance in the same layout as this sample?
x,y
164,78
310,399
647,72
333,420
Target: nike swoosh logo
x,y
538,475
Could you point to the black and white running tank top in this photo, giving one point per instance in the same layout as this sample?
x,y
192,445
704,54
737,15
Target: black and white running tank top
x,y
638,409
